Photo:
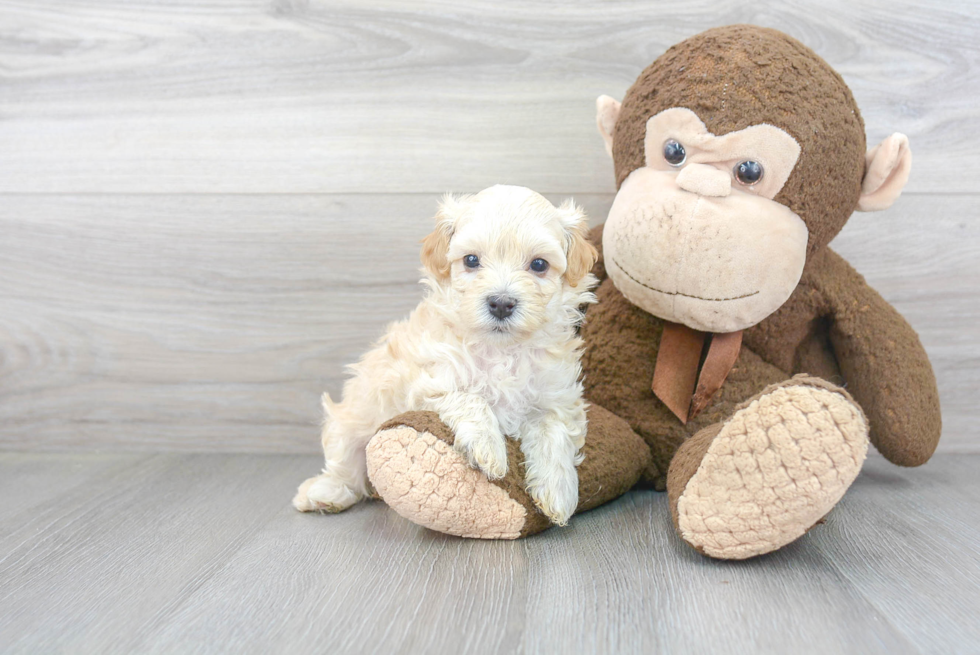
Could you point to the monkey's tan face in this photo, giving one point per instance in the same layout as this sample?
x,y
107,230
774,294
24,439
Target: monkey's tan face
x,y
695,236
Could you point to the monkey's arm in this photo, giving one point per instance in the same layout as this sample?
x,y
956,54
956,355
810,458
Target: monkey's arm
x,y
595,238
884,364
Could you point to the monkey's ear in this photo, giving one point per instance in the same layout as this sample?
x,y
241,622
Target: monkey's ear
x,y
606,113
580,254
886,171
435,246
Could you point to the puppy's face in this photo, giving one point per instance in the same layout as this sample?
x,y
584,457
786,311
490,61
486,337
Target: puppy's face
x,y
506,258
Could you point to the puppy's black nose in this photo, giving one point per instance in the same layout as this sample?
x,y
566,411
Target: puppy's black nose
x,y
501,306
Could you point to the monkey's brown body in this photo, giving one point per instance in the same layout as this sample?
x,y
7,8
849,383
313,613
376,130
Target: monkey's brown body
x,y
739,154
832,310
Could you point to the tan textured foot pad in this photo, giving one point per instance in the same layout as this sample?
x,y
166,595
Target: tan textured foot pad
x,y
777,467
423,479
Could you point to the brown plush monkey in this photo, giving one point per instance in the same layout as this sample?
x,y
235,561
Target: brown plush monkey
x,y
733,359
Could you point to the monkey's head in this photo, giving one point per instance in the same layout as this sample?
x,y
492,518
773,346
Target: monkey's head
x,y
739,153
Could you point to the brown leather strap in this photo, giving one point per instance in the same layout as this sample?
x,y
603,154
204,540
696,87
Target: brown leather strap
x,y
722,354
676,371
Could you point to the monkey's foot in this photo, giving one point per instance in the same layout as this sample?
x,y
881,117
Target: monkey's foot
x,y
416,471
414,468
768,474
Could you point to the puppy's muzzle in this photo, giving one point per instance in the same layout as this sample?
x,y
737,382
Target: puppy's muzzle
x,y
501,306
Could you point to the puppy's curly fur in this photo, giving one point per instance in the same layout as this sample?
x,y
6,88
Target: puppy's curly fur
x,y
492,348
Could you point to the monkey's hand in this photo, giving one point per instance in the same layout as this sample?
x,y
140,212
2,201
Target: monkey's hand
x,y
884,364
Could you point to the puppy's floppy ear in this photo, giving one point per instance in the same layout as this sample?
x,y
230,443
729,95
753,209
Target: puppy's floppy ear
x,y
435,247
580,254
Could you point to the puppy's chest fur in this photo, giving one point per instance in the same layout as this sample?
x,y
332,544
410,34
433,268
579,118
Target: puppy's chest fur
x,y
511,380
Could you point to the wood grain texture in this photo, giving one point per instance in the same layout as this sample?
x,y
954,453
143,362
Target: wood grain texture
x,y
202,553
208,208
222,316
927,547
89,570
214,322
346,96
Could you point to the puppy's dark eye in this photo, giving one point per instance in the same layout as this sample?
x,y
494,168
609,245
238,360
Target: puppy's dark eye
x,y
748,172
674,152
539,265
471,261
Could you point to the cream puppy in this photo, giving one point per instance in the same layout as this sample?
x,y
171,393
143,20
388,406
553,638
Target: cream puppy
x,y
492,348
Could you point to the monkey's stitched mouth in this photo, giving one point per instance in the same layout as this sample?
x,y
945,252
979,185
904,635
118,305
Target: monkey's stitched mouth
x,y
679,293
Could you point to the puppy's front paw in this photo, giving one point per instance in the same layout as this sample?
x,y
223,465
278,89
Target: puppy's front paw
x,y
556,494
324,493
484,450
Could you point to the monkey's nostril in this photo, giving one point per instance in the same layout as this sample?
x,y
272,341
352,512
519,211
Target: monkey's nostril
x,y
501,306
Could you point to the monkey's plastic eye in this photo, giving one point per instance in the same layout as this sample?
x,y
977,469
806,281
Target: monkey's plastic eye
x,y
748,172
471,261
674,152
539,265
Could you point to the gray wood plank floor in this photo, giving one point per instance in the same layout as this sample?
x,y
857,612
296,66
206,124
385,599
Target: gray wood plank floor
x,y
202,553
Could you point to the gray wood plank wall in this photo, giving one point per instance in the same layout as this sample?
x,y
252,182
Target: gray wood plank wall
x,y
207,208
